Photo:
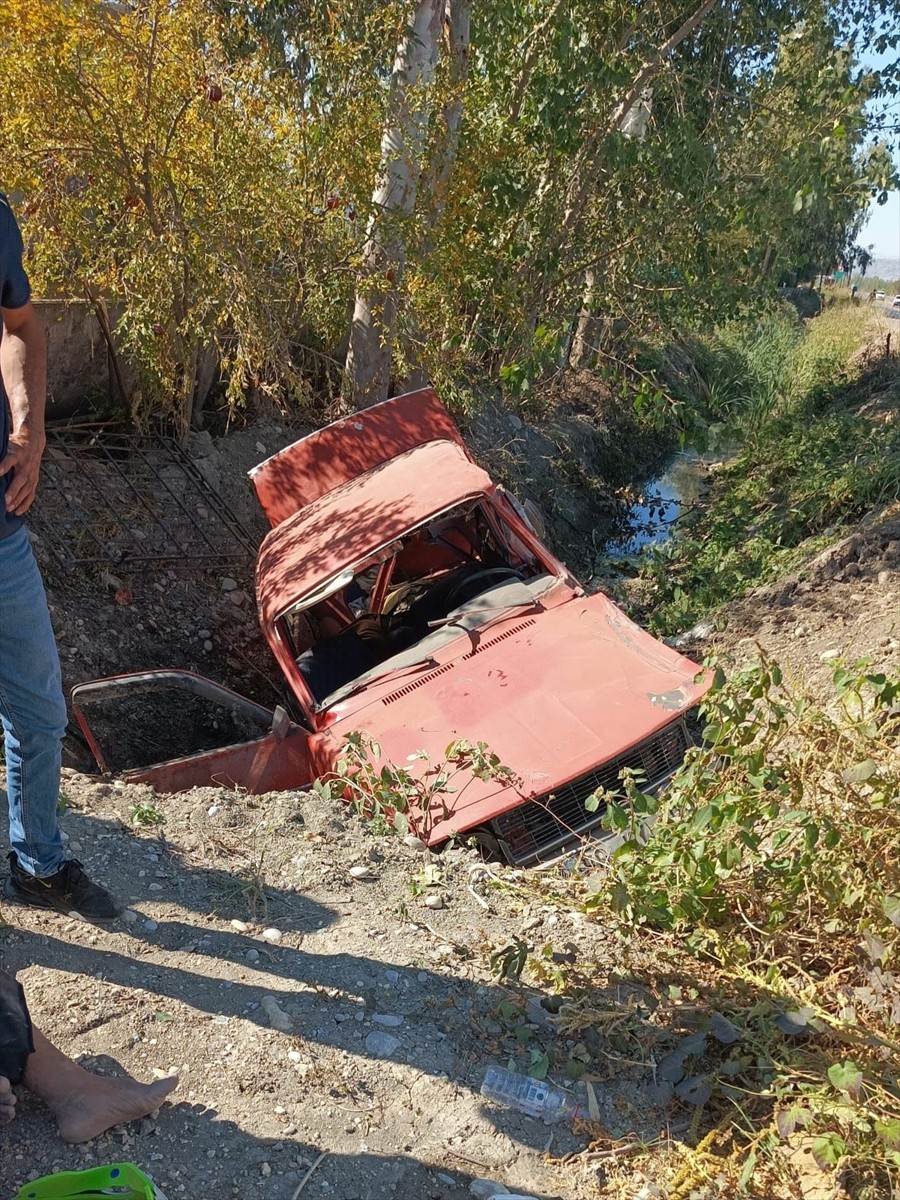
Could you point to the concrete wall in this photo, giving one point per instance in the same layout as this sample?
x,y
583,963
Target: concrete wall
x,y
77,361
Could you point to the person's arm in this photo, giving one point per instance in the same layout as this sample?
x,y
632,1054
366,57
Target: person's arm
x,y
23,365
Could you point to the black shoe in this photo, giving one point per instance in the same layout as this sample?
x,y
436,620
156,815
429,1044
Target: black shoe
x,y
69,890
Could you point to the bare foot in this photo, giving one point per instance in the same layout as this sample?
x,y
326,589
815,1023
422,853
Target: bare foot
x,y
102,1102
7,1101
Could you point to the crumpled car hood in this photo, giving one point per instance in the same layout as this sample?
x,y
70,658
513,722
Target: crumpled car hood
x,y
551,693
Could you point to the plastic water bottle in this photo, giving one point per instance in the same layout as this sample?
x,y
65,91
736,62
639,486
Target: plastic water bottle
x,y
534,1097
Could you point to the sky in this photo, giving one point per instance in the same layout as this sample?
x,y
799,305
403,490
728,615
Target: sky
x,y
882,228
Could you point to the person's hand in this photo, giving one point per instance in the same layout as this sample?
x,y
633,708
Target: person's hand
x,y
7,1101
23,458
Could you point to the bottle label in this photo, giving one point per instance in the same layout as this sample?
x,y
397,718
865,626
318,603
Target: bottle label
x,y
537,1092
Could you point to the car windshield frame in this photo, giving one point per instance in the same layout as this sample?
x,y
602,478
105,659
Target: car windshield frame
x,y
505,525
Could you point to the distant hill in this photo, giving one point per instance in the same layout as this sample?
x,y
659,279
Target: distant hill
x,y
885,268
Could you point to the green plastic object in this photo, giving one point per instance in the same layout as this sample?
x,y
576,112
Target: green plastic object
x,y
122,1180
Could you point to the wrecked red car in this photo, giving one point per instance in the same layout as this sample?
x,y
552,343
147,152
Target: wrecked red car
x,y
405,595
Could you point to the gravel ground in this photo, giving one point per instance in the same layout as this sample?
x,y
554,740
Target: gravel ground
x,y
244,913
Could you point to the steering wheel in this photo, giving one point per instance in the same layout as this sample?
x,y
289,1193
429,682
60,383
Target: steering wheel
x,y
453,595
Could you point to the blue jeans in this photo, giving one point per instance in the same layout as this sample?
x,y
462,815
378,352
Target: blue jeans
x,y
32,709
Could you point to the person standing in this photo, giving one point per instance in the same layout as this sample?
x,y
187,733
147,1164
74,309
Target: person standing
x,y
32,706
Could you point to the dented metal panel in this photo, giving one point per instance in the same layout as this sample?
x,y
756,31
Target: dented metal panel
x,y
356,519
347,449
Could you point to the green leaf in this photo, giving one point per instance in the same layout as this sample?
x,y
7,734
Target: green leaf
x,y
747,1171
846,1077
890,906
889,1132
860,773
828,1150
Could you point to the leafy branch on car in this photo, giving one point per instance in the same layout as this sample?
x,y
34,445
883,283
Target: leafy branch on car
x,y
394,799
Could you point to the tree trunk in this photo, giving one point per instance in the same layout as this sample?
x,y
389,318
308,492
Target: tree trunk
x,y
373,325
579,355
435,187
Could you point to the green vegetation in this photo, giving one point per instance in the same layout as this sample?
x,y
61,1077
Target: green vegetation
x,y
810,459
392,799
761,910
145,812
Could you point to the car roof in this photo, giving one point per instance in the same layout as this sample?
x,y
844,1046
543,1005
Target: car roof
x,y
358,518
350,446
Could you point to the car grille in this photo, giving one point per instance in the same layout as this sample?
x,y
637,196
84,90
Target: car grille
x,y
548,822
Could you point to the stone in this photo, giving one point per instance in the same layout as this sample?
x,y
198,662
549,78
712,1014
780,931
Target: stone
x,y
129,916
360,872
213,810
207,645
446,1180
151,926
389,1020
830,655
271,935
228,585
252,956
484,1189
278,1018
434,901
885,577
392,976
535,1011
240,926
265,1170
381,1045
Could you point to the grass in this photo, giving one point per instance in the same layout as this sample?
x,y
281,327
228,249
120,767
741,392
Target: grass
x,y
811,460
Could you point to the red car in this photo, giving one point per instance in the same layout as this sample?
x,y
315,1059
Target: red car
x,y
406,596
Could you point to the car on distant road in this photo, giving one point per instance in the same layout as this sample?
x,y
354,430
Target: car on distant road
x,y
406,596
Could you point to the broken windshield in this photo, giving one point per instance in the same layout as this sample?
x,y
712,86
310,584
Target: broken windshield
x,y
383,614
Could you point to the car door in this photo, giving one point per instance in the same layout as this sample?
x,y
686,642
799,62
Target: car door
x,y
176,730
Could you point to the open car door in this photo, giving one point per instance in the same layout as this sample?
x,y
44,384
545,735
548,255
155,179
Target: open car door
x,y
176,730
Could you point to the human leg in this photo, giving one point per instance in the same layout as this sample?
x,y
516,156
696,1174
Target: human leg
x,y
84,1104
32,710
33,716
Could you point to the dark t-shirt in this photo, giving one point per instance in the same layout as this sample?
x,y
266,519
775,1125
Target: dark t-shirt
x,y
14,292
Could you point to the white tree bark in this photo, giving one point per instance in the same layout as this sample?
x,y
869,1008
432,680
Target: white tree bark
x,y
374,320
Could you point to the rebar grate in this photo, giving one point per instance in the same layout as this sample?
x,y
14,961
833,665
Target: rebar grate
x,y
133,501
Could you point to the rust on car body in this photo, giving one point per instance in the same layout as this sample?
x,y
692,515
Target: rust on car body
x,y
405,595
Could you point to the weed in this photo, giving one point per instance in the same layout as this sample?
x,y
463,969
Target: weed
x,y
772,862
145,812
810,461
394,799
429,876
509,962
247,886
